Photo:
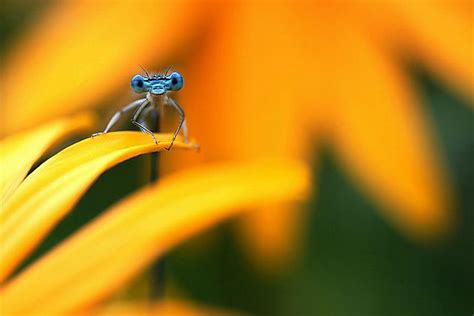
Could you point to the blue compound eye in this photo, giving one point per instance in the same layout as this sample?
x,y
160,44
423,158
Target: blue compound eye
x,y
138,84
176,81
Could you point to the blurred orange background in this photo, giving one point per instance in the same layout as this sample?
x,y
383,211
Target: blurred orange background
x,y
376,95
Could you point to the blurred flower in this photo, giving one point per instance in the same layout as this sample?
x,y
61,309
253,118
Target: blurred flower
x,y
268,79
118,245
283,72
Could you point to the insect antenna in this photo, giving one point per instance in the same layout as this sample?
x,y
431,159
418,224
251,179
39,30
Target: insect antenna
x,y
146,72
166,72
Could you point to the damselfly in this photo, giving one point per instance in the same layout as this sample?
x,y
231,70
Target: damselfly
x,y
156,88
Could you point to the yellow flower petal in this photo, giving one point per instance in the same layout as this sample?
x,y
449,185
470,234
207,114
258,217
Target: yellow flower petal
x,y
53,188
263,102
170,307
439,34
82,50
123,241
271,236
381,136
20,151
442,37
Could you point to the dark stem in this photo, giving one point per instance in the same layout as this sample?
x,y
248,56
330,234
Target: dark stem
x,y
158,268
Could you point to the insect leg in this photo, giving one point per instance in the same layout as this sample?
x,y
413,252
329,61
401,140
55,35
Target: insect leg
x,y
142,127
118,114
147,113
182,122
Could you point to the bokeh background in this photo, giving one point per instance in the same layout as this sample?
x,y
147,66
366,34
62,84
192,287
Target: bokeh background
x,y
384,232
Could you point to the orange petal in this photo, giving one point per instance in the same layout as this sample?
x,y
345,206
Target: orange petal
x,y
53,188
254,94
171,307
18,152
380,134
127,238
272,82
81,51
271,236
442,37
439,34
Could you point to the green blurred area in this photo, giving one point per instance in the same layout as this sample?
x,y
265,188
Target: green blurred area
x,y
353,262
16,16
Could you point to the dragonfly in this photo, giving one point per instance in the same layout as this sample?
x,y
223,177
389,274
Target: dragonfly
x,y
156,88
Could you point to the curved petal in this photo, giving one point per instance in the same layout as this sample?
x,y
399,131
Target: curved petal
x,y
53,188
20,151
442,37
124,240
272,236
437,33
172,307
254,94
82,50
380,134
